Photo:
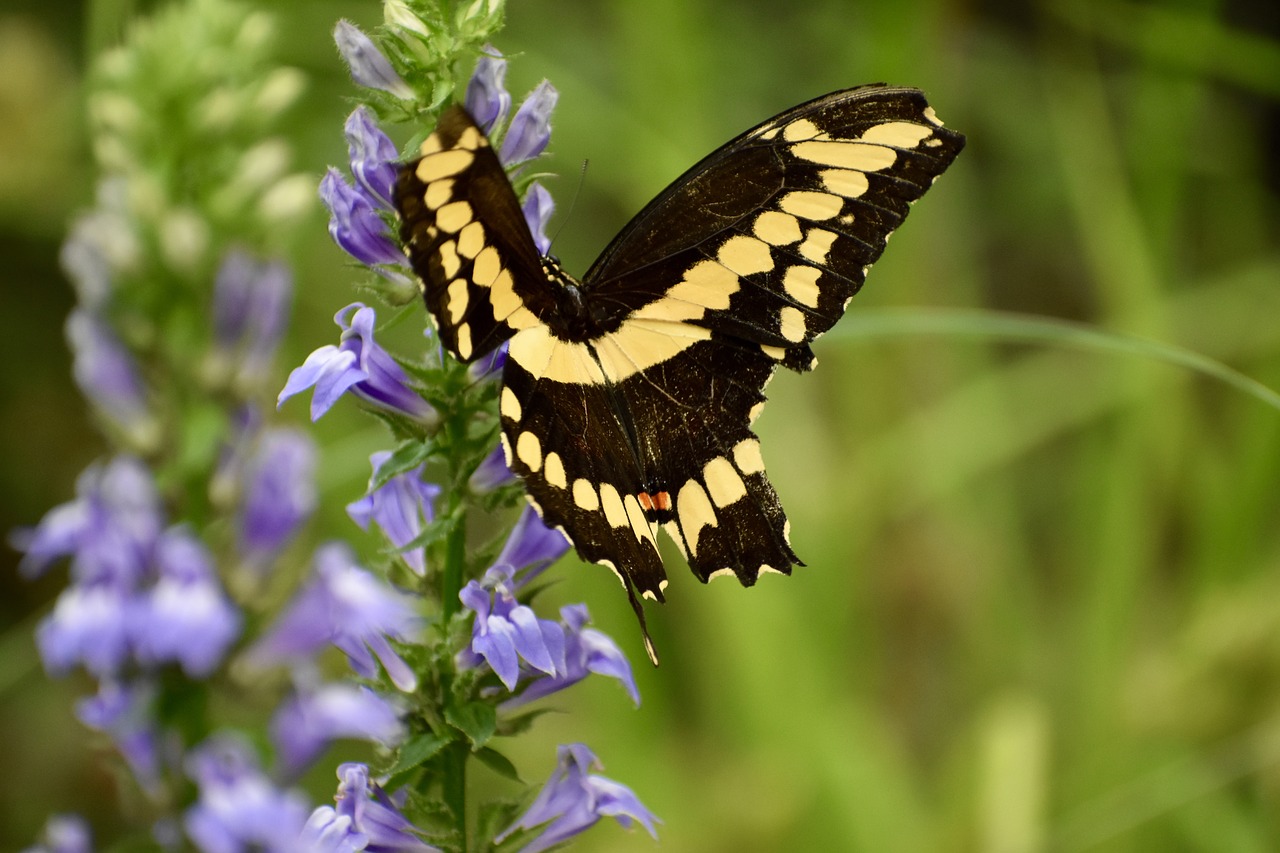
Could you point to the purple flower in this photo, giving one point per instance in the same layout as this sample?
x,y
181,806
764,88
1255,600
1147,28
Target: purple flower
x,y
89,625
360,365
373,156
586,651
365,819
489,366
105,372
64,833
125,713
355,224
239,809
487,98
530,548
491,473
530,129
538,207
401,508
280,493
369,68
306,723
574,800
506,632
108,530
250,311
185,616
344,605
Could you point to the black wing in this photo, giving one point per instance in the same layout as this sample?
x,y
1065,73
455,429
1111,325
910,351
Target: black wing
x,y
467,240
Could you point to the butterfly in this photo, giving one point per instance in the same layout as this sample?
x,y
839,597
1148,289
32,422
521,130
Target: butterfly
x,y
628,396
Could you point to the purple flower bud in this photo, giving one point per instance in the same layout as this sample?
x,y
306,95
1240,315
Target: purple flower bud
x,y
506,632
487,98
373,156
401,508
489,366
369,68
491,473
344,605
105,371
530,130
365,819
574,800
64,833
185,616
86,263
250,311
124,712
354,222
358,363
538,207
280,493
239,809
307,722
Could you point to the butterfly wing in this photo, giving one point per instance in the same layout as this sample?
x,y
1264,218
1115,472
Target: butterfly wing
x,y
467,240
735,268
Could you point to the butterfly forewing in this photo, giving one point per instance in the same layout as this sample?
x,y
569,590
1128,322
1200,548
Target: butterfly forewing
x,y
467,240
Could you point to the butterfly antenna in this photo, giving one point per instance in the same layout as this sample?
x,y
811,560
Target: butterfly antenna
x,y
573,202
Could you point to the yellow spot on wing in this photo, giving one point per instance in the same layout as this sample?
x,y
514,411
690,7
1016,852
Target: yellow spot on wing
x,y
900,134
694,508
553,470
509,405
453,216
811,205
745,255
791,324
746,455
438,193
776,228
584,495
801,284
614,512
457,300
464,341
443,164
529,450
849,183
846,155
817,244
723,482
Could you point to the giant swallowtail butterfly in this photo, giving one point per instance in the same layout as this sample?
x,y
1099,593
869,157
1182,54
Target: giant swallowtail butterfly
x,y
628,396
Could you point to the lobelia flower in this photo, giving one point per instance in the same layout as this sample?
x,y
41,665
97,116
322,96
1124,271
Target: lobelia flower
x,y
108,530
360,365
530,128
314,716
344,605
279,493
355,224
586,651
530,548
64,833
506,632
106,374
124,712
373,157
369,68
487,99
491,473
90,626
538,207
239,809
401,507
250,313
185,616
574,800
365,819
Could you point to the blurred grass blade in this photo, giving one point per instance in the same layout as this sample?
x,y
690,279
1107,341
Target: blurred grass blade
x,y
995,325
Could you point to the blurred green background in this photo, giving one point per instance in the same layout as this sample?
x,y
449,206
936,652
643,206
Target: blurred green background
x,y
1042,603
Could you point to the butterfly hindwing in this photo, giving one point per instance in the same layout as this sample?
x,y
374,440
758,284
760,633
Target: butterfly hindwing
x,y
467,240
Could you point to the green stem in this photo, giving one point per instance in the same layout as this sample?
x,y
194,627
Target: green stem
x,y
455,566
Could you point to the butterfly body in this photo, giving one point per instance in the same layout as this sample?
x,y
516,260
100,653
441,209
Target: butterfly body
x,y
628,396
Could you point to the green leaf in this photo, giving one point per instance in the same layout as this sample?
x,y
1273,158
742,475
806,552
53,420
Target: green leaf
x,y
498,763
409,455
476,720
432,533
418,751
